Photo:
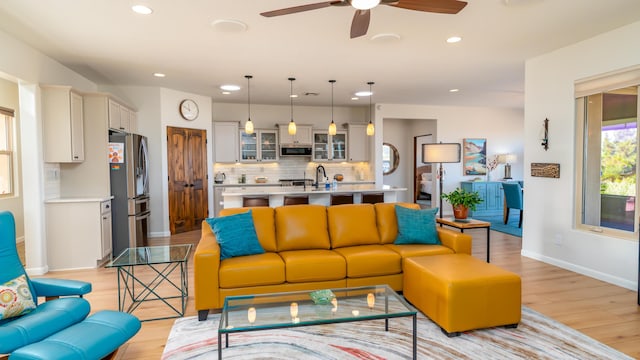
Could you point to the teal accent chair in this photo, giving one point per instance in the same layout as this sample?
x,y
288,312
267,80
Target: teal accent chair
x,y
57,328
513,200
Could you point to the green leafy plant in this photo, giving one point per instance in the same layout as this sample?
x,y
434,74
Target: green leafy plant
x,y
468,199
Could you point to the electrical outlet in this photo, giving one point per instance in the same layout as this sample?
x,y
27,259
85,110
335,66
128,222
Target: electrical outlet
x,y
557,240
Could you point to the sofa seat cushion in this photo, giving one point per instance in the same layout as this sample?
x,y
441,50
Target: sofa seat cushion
x,y
370,260
411,250
252,270
47,319
302,227
352,224
313,265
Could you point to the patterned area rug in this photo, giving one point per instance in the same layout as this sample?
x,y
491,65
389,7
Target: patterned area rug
x,y
537,337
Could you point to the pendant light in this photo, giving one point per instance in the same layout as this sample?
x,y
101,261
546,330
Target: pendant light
x,y
292,124
370,129
332,126
248,127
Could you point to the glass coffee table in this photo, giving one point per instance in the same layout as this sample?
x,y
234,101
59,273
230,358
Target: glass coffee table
x,y
294,309
136,287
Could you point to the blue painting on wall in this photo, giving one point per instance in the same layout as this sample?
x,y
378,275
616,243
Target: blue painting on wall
x,y
474,156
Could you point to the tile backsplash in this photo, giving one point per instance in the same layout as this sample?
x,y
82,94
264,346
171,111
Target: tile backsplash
x,y
292,168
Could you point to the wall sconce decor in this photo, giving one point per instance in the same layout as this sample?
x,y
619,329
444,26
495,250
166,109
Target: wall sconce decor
x,y
545,137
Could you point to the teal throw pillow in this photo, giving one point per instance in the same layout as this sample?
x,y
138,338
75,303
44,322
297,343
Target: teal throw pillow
x,y
416,226
236,235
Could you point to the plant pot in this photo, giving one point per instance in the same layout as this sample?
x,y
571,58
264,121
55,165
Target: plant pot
x,y
460,212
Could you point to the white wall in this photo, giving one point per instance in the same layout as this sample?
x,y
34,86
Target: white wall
x,y
29,67
9,99
548,230
502,127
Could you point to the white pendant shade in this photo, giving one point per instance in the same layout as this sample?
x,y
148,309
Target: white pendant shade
x,y
370,129
248,127
292,128
364,4
332,128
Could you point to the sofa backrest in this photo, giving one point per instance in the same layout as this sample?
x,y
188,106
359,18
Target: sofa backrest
x,y
387,222
264,222
301,227
352,224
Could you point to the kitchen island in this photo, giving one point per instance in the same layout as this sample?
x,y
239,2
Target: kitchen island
x,y
233,196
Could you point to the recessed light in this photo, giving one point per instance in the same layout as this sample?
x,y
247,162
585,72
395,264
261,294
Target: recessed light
x,y
454,90
159,75
454,39
226,93
141,9
355,98
229,25
364,93
293,96
385,38
230,87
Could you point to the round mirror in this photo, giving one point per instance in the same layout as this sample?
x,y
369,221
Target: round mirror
x,y
390,158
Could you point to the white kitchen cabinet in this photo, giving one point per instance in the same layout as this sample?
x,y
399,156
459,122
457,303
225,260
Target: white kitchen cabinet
x,y
225,142
84,242
358,142
121,117
63,124
329,148
303,136
260,146
114,115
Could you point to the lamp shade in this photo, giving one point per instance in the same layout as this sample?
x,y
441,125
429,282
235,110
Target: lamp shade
x,y
507,158
441,153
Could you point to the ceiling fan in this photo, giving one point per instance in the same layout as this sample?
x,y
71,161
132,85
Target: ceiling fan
x,y
360,23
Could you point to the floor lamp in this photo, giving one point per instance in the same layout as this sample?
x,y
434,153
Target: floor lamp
x,y
440,153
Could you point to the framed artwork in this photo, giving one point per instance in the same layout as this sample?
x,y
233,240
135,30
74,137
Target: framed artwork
x,y
474,156
550,170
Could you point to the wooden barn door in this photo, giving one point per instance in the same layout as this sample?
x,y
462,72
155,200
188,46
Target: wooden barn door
x,y
187,163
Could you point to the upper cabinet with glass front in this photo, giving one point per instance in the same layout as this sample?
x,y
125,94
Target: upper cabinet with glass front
x,y
260,146
329,148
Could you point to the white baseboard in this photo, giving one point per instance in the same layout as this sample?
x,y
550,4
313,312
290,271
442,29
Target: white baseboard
x,y
627,284
37,271
159,234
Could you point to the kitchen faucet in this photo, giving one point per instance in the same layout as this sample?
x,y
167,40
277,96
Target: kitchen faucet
x,y
324,173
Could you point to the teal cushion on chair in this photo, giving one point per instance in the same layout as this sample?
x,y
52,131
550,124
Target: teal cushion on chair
x,y
416,226
236,235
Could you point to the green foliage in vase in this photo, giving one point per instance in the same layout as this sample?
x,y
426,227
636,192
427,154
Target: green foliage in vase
x,y
468,199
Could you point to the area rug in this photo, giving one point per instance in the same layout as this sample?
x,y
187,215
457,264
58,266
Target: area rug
x,y
537,337
497,223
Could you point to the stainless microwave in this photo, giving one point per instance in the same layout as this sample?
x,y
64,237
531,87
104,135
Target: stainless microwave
x,y
295,150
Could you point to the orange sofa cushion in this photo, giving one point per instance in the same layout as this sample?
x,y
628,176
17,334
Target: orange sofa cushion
x,y
353,224
301,227
263,220
313,265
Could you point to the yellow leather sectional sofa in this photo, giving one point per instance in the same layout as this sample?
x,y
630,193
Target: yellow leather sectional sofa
x,y
311,247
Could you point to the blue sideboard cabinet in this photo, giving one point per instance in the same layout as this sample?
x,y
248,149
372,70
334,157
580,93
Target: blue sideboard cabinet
x,y
491,194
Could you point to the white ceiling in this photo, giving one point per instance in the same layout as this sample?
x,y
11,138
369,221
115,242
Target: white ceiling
x,y
109,44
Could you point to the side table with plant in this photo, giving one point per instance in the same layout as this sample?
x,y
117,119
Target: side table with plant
x,y
462,201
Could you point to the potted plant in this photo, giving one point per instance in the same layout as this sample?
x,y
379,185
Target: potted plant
x,y
462,201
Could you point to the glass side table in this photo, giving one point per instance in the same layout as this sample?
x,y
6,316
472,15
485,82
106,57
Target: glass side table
x,y
142,270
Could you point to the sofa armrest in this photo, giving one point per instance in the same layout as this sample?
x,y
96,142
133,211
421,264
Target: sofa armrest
x,y
53,288
206,265
460,243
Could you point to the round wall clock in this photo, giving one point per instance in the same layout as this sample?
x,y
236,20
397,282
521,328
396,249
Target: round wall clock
x,y
188,109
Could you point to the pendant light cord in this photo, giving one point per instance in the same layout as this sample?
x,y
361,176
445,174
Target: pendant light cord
x,y
332,83
291,96
249,95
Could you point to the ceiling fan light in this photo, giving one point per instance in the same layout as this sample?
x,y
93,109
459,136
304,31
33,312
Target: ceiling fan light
x,y
292,128
364,4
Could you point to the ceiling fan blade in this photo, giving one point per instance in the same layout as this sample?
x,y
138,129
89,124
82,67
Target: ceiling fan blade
x,y
360,23
436,6
300,8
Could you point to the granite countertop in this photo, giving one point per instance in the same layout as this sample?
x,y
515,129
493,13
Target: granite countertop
x,y
297,190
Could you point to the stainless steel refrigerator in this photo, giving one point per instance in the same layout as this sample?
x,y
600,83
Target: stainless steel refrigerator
x,y
128,169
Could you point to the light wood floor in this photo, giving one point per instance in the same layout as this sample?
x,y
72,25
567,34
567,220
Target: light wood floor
x,y
605,312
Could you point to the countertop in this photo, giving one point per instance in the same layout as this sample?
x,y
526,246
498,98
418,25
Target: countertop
x,y
277,184
299,190
78,199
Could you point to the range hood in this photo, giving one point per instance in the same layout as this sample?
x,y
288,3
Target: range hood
x,y
295,150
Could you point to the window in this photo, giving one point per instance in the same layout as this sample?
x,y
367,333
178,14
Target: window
x,y
607,129
6,152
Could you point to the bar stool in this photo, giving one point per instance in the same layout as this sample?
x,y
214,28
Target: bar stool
x,y
338,199
255,201
296,200
372,198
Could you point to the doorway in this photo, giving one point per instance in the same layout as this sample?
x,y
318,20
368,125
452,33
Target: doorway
x,y
187,169
424,190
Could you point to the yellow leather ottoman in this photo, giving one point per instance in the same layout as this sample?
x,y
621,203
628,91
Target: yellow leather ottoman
x,y
459,292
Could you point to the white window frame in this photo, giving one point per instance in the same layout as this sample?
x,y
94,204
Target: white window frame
x,y
7,117
590,86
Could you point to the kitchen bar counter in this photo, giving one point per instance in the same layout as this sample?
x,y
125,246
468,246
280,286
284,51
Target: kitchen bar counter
x,y
233,195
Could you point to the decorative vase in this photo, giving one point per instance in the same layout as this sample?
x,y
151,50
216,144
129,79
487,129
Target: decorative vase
x,y
460,212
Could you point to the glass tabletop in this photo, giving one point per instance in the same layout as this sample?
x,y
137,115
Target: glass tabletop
x,y
152,255
290,309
